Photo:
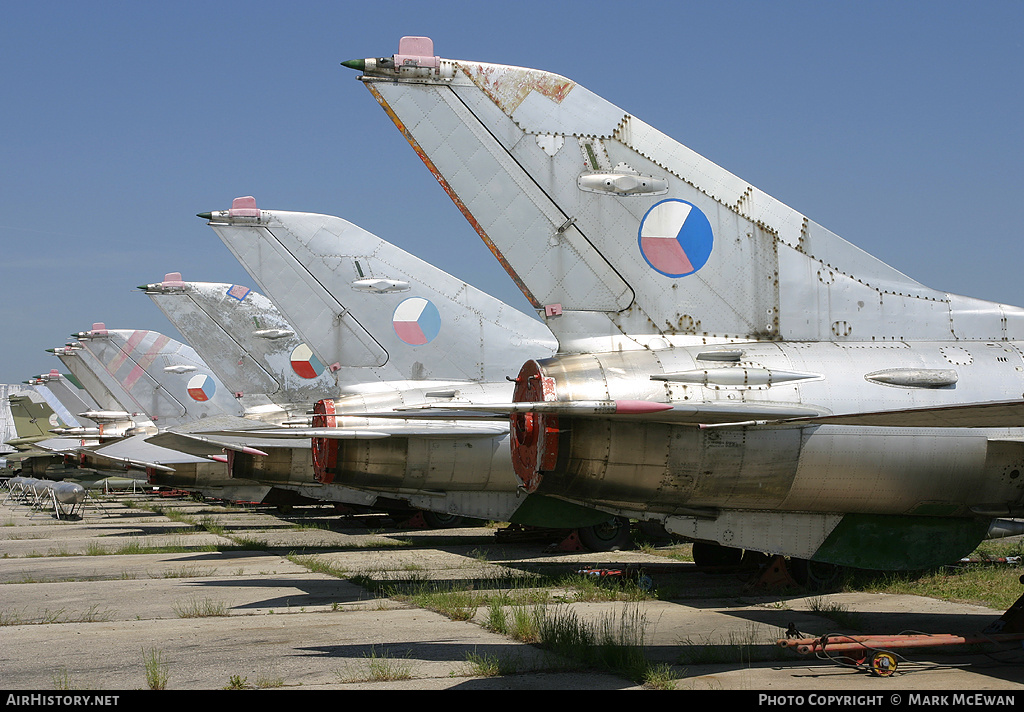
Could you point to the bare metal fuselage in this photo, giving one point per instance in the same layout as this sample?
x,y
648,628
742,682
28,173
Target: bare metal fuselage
x,y
637,465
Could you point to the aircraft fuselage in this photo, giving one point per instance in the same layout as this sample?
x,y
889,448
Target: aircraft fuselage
x,y
657,467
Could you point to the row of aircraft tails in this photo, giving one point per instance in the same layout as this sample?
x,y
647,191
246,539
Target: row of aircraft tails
x,y
703,359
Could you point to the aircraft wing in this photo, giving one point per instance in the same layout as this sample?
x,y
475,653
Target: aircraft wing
x,y
1002,414
211,436
995,414
205,446
405,430
28,454
680,414
59,446
136,453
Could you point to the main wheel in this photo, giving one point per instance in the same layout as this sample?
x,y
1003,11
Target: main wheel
x,y
612,535
815,575
441,520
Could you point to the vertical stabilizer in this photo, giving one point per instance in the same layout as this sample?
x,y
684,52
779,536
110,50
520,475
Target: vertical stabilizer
x,y
624,238
371,311
33,416
156,375
72,398
245,339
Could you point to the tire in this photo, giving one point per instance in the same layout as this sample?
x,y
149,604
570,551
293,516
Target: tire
x,y
613,535
442,520
815,575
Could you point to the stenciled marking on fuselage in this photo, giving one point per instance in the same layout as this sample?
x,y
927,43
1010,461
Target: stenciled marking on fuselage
x,y
201,387
305,363
417,321
675,238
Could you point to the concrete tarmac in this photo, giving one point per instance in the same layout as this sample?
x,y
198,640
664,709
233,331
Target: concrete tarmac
x,y
143,586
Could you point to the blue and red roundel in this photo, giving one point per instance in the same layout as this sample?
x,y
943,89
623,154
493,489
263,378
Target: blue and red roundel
x,y
675,238
417,321
201,388
305,363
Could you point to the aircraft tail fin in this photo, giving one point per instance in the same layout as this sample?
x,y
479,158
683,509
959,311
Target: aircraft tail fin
x,y
64,416
32,414
245,339
371,311
624,238
155,375
72,398
107,394
8,430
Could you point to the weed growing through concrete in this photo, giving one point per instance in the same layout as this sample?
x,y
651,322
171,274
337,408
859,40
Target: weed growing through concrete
x,y
195,607
485,665
377,666
156,669
835,611
236,682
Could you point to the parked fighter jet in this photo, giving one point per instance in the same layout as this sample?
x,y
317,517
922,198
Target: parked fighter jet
x,y
7,427
36,413
258,355
53,403
26,420
160,383
71,401
109,395
249,346
727,367
441,339
32,415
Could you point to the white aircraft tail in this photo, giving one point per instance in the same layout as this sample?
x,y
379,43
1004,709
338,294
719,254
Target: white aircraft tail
x,y
107,393
245,339
624,238
370,311
155,375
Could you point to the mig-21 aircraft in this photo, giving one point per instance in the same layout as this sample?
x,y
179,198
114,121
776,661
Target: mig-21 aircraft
x,y
157,383
727,367
259,356
396,331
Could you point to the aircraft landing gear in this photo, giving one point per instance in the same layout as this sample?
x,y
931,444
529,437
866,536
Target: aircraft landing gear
x,y
815,575
613,535
443,520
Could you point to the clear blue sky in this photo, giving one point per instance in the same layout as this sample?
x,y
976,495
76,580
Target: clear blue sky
x,y
898,125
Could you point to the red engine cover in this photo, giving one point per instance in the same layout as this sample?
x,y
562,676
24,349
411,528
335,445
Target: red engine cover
x,y
534,436
325,450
